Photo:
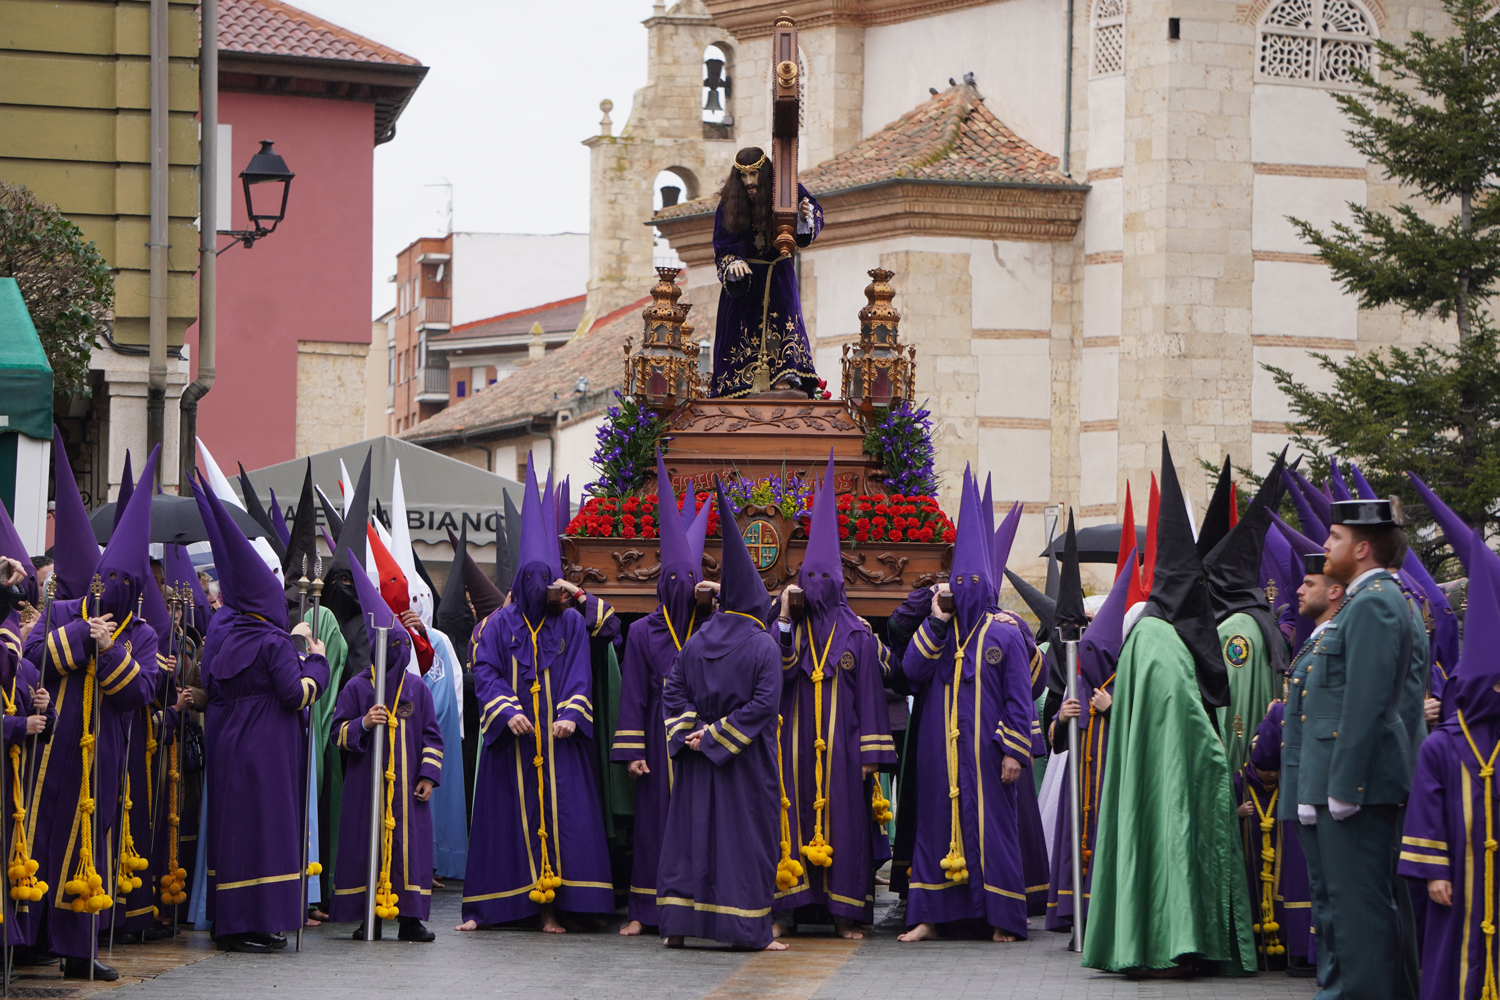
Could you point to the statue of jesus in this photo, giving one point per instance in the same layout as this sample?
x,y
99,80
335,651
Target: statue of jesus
x,y
760,342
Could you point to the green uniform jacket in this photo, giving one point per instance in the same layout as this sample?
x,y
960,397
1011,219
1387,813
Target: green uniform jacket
x,y
1356,733
1291,729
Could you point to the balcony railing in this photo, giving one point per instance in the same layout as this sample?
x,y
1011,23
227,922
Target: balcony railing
x,y
435,380
432,310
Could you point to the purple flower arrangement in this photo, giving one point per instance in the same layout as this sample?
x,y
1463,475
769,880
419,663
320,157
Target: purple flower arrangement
x,y
901,438
625,454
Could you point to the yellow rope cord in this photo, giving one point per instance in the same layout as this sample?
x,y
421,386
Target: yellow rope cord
x,y
955,866
385,899
1486,774
546,881
675,641
130,859
743,615
174,881
818,851
1267,927
788,869
87,886
21,869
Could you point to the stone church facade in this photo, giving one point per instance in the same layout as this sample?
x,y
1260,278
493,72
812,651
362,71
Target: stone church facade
x,y
1078,275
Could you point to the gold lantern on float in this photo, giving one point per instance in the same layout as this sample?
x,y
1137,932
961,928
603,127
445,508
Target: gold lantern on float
x,y
663,372
879,372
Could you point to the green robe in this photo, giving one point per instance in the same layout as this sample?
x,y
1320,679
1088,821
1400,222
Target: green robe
x,y
1250,685
326,760
1168,872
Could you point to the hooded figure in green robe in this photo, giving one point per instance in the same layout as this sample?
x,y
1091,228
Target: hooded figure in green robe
x,y
1168,873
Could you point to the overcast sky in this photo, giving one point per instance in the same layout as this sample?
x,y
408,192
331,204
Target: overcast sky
x,y
511,92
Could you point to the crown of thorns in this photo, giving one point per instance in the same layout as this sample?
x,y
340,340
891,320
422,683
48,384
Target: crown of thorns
x,y
750,168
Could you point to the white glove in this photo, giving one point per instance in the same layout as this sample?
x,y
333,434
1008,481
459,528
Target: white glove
x,y
1340,809
1307,815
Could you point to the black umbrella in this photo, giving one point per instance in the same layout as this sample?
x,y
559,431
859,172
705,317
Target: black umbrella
x,y
1099,544
174,519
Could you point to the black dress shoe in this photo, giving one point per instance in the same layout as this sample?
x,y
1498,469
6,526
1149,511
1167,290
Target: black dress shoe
x,y
160,932
275,942
32,957
412,930
242,943
78,968
359,932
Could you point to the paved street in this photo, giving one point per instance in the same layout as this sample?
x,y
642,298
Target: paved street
x,y
605,966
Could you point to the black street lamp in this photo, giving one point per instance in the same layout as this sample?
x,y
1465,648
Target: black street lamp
x,y
266,168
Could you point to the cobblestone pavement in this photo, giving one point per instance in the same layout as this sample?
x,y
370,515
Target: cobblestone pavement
x,y
605,966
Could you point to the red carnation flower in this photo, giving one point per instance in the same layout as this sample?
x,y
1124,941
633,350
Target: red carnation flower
x,y
822,383
948,536
843,534
648,533
647,519
925,534
898,522
913,535
894,536
861,536
843,519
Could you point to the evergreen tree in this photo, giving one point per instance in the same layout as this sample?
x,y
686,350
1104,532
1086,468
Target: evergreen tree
x,y
64,281
1430,122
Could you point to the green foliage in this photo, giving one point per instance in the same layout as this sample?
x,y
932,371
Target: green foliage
x,y
1430,123
1433,410
64,280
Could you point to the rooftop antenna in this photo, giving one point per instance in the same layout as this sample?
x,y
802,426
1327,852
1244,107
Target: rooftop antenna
x,y
445,183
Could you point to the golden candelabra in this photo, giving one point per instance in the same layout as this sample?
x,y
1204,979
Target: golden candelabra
x,y
879,372
663,372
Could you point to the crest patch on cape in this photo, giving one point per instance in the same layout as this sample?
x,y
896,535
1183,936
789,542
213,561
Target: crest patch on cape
x,y
992,655
847,660
1236,651
404,710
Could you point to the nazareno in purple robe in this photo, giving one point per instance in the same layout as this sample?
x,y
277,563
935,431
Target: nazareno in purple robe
x,y
19,679
1291,893
419,754
504,851
747,303
994,684
126,681
856,729
719,853
147,811
255,736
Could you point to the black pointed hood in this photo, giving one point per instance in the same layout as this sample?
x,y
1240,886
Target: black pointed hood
x,y
1233,568
1070,585
1216,517
302,540
1044,607
258,514
454,618
350,554
507,545
331,515
1179,593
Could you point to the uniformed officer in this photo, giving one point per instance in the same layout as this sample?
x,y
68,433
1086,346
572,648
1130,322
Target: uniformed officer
x,y
1318,598
1355,752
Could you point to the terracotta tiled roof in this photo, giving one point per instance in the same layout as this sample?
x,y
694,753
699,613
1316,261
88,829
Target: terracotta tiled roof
x,y
542,388
952,136
272,28
555,317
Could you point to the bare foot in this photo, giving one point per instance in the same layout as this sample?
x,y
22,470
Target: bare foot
x,y
631,929
467,925
313,923
1000,937
848,931
438,885
882,880
921,932
549,922
778,930
776,946
318,915
672,942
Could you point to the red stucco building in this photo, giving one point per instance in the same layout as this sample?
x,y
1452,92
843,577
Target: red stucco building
x,y
294,311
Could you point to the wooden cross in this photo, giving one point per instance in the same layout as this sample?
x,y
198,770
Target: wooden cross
x,y
786,112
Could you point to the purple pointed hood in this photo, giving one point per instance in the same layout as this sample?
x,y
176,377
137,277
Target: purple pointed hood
x,y
278,518
12,546
822,574
549,527
987,508
1005,538
1313,512
680,571
973,588
398,640
538,547
127,487
178,567
1104,638
75,554
1471,688
698,532
741,590
1337,488
246,584
125,565
689,507
1453,527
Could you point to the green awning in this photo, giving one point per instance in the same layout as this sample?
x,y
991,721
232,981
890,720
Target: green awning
x,y
25,375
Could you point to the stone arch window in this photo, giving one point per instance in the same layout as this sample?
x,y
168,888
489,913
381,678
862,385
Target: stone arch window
x,y
718,91
1317,43
1109,38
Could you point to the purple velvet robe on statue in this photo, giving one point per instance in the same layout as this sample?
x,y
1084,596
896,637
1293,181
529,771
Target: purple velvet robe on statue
x,y
745,303
419,754
255,751
127,680
504,851
856,729
994,721
719,854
